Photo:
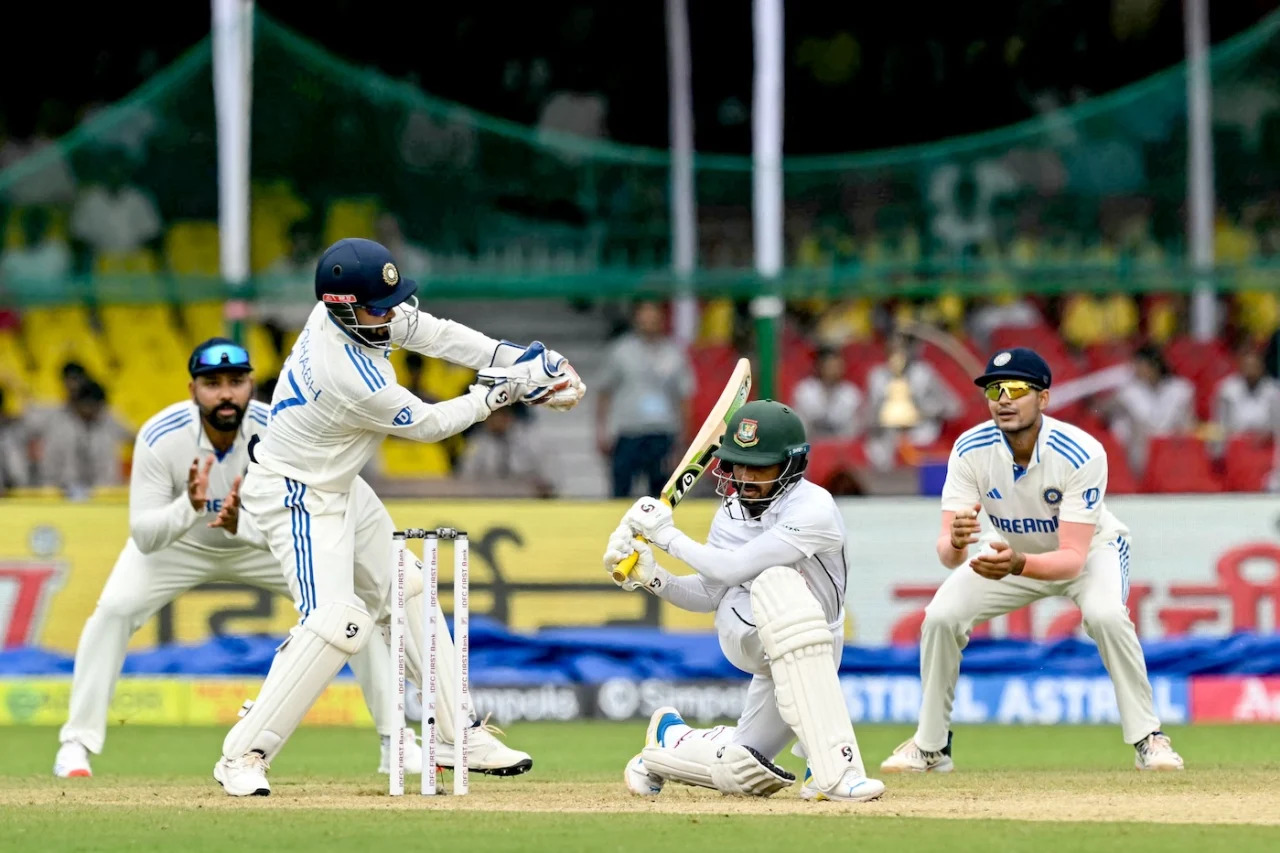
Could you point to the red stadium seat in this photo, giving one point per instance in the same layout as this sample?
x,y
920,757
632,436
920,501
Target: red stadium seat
x,y
829,456
1120,479
1179,464
859,358
1249,461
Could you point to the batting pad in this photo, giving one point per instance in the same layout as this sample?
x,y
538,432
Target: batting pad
x,y
798,642
725,767
415,667
304,665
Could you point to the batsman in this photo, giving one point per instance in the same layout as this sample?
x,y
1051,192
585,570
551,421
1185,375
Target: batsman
x,y
773,570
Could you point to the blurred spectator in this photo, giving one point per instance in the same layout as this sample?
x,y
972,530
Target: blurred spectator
x,y
933,399
52,182
1247,401
112,216
1156,403
81,450
503,450
415,369
643,398
829,404
412,258
1006,311
14,463
40,259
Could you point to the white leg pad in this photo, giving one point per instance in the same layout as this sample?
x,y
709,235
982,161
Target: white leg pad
x,y
799,645
717,764
304,665
415,666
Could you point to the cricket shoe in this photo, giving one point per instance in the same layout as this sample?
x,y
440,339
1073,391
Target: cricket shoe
x,y
659,721
72,761
853,787
485,753
640,781
412,754
245,776
909,758
1153,752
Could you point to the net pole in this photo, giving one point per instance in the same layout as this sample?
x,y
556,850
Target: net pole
x,y
684,223
1200,183
766,308
232,88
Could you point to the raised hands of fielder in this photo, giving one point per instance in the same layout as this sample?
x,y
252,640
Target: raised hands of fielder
x,y
198,482
229,516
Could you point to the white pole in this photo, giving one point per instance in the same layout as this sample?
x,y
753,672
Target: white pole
x,y
232,90
684,223
766,121
1200,190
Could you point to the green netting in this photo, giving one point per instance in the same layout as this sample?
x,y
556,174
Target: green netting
x,y
1092,196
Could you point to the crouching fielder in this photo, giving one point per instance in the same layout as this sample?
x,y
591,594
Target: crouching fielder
x,y
1042,483
773,571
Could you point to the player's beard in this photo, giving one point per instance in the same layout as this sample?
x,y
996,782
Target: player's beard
x,y
222,422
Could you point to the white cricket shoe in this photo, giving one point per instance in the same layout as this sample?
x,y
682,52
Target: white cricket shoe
x,y
1154,752
909,758
72,761
245,776
485,753
412,754
658,721
640,781
853,787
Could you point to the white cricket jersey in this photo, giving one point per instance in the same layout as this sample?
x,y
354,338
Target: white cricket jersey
x,y
335,399
807,518
160,513
1066,480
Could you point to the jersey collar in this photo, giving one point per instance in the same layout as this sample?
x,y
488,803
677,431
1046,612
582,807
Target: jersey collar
x,y
1018,471
206,446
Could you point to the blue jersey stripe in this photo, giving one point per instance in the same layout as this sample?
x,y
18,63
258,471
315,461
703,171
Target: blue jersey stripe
x,y
977,438
1075,454
167,420
373,368
168,429
360,367
1065,453
991,442
1070,442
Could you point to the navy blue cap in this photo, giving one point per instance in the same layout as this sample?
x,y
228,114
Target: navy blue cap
x,y
1016,363
355,271
218,354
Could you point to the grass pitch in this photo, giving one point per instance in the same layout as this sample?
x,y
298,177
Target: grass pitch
x,y
1016,789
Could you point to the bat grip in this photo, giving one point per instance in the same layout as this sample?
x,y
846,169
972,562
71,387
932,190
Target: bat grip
x,y
628,563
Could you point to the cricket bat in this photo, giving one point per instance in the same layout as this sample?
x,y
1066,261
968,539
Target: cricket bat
x,y
698,456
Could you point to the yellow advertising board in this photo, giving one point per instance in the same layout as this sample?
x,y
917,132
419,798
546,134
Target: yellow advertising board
x,y
534,564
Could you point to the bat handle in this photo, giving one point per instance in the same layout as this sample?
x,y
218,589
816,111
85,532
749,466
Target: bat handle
x,y
628,563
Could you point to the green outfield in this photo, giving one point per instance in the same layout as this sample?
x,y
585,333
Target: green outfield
x,y
1016,789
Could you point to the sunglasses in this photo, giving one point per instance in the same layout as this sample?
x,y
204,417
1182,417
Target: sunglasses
x,y
222,355
1015,388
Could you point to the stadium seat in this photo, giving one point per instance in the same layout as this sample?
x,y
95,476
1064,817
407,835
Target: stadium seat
x,y
716,322
859,358
203,320
350,217
1248,462
403,458
1179,464
830,456
191,248
1120,478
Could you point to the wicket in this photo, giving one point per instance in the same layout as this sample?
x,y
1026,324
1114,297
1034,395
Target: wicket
x,y
401,556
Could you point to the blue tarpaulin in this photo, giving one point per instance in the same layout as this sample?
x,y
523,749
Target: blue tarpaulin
x,y
594,655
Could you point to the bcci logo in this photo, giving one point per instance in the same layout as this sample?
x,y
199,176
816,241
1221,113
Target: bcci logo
x,y
1052,496
746,434
390,274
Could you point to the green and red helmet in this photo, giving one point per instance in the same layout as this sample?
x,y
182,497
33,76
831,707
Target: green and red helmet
x,y
760,434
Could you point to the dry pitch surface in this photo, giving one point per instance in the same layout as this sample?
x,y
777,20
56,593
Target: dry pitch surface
x,y
1040,789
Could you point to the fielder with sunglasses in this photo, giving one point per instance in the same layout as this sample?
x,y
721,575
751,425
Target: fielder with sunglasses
x,y
1041,482
186,460
337,398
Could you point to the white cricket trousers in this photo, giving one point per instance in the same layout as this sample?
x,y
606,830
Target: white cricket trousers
x,y
760,726
967,599
138,586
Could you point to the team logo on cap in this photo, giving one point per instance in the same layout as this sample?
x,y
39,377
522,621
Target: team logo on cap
x,y
746,434
1053,496
1002,359
390,274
